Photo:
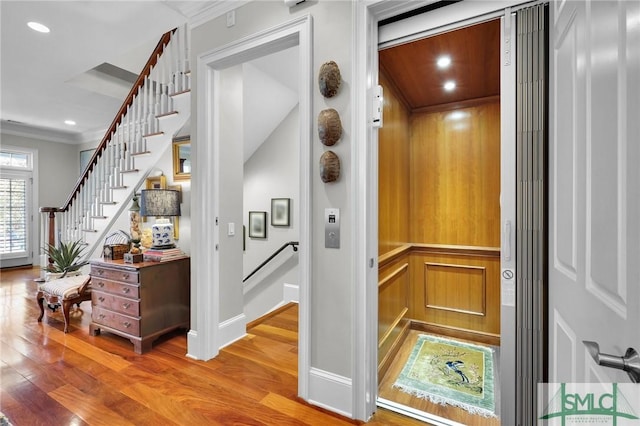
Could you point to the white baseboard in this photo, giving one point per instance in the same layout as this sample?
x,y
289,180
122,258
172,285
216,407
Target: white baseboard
x,y
290,293
192,343
330,391
231,330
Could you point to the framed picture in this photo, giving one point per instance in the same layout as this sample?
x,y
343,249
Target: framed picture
x,y
182,158
280,211
257,224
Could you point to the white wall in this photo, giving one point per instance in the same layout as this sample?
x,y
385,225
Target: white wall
x,y
271,172
331,287
57,168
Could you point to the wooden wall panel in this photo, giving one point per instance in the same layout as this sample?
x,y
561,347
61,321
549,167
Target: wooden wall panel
x,y
453,290
455,176
393,305
393,172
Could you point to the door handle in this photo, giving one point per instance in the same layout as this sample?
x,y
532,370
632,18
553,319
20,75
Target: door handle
x,y
630,362
506,246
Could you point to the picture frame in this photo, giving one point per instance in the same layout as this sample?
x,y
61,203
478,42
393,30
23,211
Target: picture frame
x,y
257,224
280,211
182,158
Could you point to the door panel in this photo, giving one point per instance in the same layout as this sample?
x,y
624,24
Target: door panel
x,y
594,264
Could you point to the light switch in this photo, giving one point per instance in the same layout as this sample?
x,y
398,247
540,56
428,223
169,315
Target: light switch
x,y
332,228
231,231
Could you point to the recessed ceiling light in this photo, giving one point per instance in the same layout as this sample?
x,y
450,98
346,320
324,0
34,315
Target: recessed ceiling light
x,y
37,26
449,85
70,122
443,61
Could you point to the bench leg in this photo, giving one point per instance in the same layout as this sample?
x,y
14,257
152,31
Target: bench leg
x,y
66,307
40,299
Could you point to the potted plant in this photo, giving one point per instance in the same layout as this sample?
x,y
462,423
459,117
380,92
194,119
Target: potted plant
x,y
66,258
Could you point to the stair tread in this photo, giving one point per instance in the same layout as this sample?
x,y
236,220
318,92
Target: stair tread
x,y
108,202
167,114
130,171
153,134
182,92
100,217
118,187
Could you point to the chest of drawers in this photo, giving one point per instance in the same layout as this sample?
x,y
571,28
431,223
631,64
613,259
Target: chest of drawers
x,y
139,301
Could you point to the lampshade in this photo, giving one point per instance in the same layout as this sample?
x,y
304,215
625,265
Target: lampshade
x,y
160,202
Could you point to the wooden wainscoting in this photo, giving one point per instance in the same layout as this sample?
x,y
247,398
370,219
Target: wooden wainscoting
x,y
456,291
447,290
393,306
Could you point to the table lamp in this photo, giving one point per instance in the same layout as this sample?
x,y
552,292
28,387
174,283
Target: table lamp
x,y
161,203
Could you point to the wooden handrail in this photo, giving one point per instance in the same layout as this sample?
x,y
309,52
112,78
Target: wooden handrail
x,y
151,62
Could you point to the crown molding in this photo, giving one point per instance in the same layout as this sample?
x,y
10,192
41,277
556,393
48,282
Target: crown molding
x,y
202,12
24,130
51,135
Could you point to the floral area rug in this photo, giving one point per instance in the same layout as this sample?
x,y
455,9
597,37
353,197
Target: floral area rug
x,y
450,372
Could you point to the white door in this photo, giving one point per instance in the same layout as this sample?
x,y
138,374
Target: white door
x,y
594,231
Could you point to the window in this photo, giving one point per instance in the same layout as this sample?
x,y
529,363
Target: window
x,y
15,192
13,215
18,160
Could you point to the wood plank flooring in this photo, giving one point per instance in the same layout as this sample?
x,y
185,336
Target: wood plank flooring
x,y
387,391
51,378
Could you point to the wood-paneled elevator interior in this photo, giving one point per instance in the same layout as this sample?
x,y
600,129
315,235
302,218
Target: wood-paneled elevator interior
x,y
439,189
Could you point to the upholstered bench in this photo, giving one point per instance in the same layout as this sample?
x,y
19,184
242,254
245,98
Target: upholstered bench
x,y
65,291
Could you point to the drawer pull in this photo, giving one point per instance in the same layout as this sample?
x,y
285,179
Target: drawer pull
x,y
126,324
101,299
100,284
100,271
101,316
125,276
126,290
126,305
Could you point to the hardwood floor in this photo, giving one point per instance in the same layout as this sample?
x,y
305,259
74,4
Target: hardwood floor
x,y
51,378
387,391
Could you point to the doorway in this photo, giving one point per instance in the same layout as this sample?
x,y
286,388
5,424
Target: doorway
x,y
439,203
217,284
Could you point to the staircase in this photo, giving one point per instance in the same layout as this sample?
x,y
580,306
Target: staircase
x,y
157,107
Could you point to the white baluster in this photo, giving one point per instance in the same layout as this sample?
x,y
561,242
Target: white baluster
x,y
157,106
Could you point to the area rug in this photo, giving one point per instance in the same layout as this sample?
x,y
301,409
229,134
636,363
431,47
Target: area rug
x,y
450,372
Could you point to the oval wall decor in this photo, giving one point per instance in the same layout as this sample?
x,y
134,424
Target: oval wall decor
x,y
329,126
329,79
329,167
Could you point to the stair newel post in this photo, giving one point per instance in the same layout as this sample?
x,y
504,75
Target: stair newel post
x,y
51,237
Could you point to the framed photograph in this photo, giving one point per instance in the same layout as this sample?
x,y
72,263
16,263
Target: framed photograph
x,y
257,224
280,211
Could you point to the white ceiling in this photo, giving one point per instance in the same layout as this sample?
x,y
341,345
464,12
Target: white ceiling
x,y
43,76
49,78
